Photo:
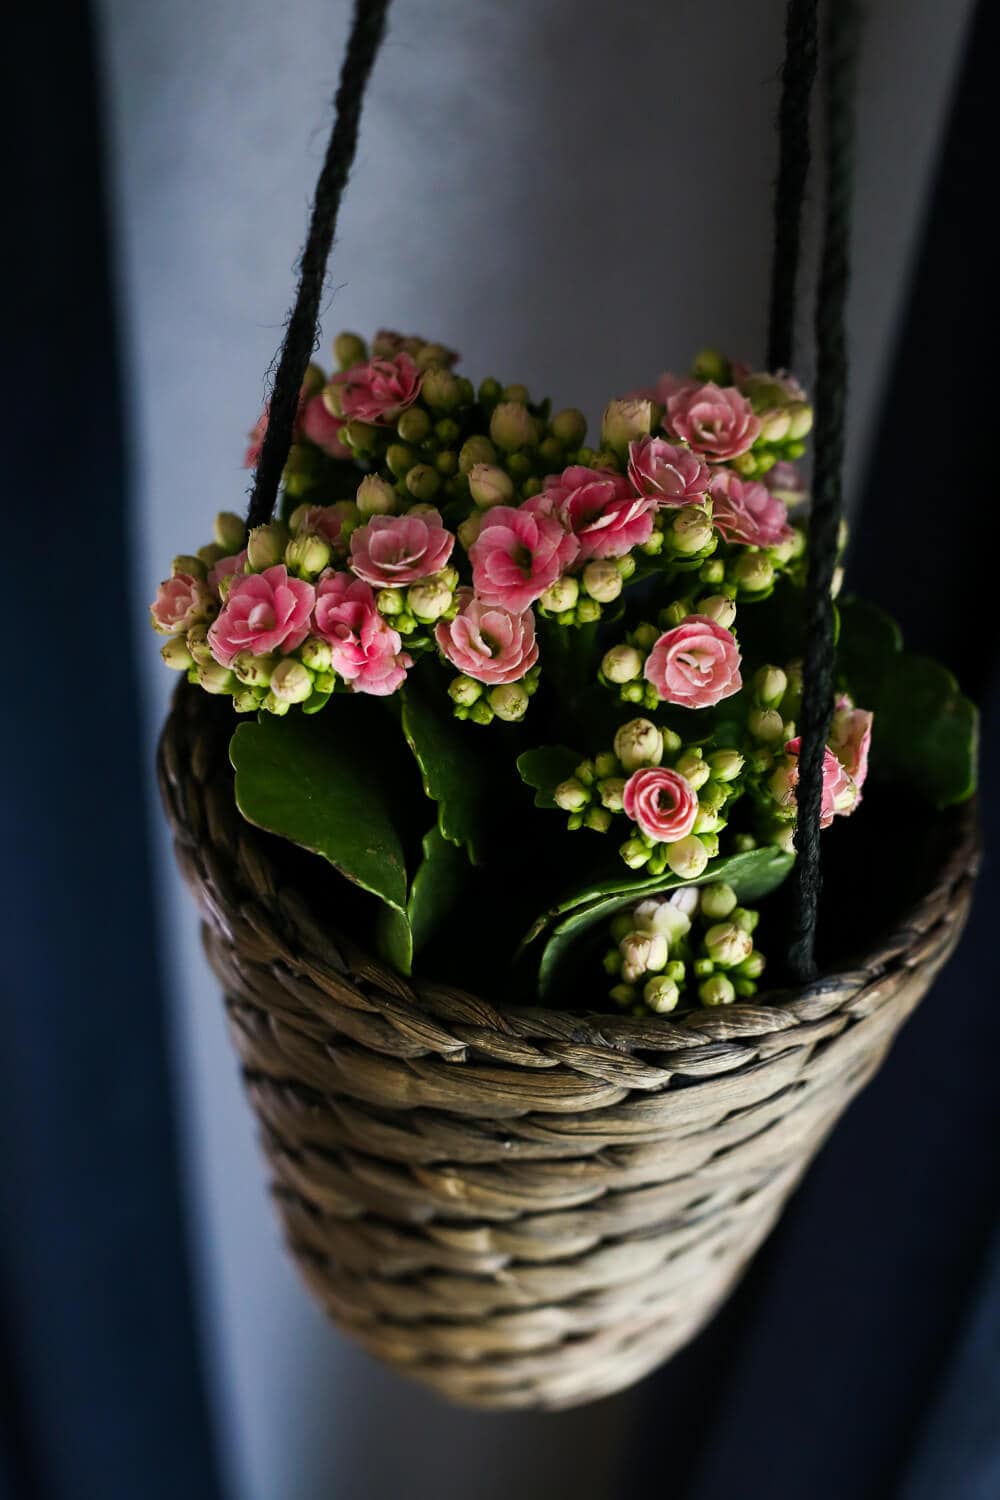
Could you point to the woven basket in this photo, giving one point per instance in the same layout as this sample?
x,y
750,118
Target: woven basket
x,y
521,1208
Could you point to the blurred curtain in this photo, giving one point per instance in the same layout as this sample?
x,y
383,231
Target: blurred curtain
x,y
100,1386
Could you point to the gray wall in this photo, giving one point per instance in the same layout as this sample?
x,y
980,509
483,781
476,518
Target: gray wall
x,y
574,195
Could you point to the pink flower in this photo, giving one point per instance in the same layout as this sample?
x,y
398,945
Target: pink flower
x,y
227,567
181,602
673,385
840,791
662,802
518,553
255,439
380,390
744,510
317,423
488,642
599,508
785,481
715,420
394,550
669,475
263,612
321,520
696,664
850,739
366,651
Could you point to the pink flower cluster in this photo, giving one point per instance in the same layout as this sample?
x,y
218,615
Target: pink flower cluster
x,y
845,763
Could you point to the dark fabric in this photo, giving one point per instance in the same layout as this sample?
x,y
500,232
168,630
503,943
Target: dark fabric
x,y
842,1348
101,1395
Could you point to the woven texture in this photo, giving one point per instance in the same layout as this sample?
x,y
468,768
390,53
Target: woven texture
x,y
521,1208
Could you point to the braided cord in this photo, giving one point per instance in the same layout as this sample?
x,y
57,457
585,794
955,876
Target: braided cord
x,y
798,75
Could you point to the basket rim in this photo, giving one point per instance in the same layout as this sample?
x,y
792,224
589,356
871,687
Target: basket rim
x,y
194,745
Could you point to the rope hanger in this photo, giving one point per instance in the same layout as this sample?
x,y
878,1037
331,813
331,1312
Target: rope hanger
x,y
840,46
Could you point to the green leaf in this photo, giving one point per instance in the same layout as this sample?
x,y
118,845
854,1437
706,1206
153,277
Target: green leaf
x,y
752,875
299,778
394,939
925,731
438,884
450,758
545,768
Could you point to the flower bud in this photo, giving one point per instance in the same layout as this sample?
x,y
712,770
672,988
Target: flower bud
x,y
753,965
316,654
476,450
753,572
774,426
717,607
266,546
569,426
769,686
429,599
440,389
361,436
611,791
602,580
176,655
635,853
276,706
247,701
642,953
210,555
691,531
719,990
624,421
376,497
623,995
800,415
727,944
687,857
710,365
587,611
718,900
490,485
307,555
766,725
693,768
349,349
468,530
597,818
571,795
253,671
512,426
509,702
197,643
725,765
291,682
465,691
413,425
229,531
606,764
193,566
622,664
423,481
661,994
639,743
215,678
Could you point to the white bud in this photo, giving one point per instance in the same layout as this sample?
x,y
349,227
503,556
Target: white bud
x,y
509,702
691,530
571,795
624,421
661,994
430,598
176,655
602,580
376,497
717,991
687,857
465,691
642,953
727,944
639,743
718,900
490,485
560,596
291,682
611,792
717,607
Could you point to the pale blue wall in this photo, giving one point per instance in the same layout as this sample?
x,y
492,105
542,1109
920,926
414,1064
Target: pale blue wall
x,y
573,194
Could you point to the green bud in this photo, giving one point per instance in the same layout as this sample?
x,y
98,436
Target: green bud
x,y
447,431
712,571
645,636
587,611
490,485
597,818
229,531
185,563
654,545
376,497
707,821
215,678
490,391
571,795
691,531
413,425
622,664
727,944
247,700
423,482
465,691
661,994
276,706
753,572
316,654
639,743
361,436
602,580
710,365
476,450
743,843
692,766
197,644
713,796
611,791
266,546
176,655
253,671
774,426
349,349
746,918
687,857
769,686
753,965
307,555
718,900
725,765
612,962
569,426
623,995
766,725
390,602
481,713
719,990
635,853
440,390
801,421
625,421
400,459
291,682
210,555
512,427
606,764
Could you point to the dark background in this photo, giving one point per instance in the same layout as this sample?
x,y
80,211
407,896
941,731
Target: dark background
x,y
861,1356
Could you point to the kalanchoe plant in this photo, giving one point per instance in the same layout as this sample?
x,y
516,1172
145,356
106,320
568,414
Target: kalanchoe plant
x,y
627,619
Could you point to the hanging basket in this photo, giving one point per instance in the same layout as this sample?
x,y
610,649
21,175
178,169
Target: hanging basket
x,y
524,1207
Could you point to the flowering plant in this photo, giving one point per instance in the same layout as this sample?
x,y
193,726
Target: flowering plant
x,y
463,603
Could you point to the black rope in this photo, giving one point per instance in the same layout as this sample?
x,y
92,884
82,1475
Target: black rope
x,y
367,31
798,75
840,41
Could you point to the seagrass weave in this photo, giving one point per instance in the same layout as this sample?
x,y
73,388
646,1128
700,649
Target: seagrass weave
x,y
522,1207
